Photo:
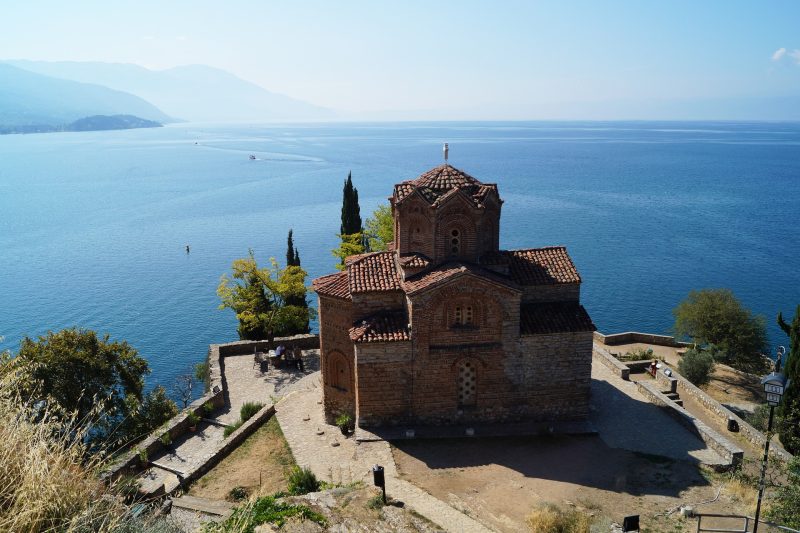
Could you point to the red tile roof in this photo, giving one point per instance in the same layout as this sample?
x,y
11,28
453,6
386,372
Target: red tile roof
x,y
425,280
375,272
559,317
540,266
414,261
336,285
438,183
390,326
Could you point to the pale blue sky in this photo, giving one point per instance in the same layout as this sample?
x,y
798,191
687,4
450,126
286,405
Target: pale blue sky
x,y
558,59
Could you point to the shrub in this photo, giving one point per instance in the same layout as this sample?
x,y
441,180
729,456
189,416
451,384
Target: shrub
x,y
231,429
375,503
244,519
551,519
203,373
344,422
248,410
193,419
302,481
759,418
208,407
165,439
696,366
638,354
237,494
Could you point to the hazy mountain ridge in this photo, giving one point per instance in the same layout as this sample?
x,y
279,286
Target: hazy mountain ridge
x,y
29,99
191,92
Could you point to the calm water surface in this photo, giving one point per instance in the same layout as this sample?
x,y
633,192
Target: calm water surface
x,y
93,225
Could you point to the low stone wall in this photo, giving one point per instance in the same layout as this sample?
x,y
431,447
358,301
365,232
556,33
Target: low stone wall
x,y
231,443
306,342
612,363
630,337
719,411
729,451
130,463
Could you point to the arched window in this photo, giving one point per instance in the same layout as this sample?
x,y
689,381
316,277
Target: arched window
x,y
463,315
467,383
339,372
455,242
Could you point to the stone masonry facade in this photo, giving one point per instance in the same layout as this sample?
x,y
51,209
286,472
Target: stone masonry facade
x,y
447,328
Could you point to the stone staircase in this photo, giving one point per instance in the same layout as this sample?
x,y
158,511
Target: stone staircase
x,y
674,396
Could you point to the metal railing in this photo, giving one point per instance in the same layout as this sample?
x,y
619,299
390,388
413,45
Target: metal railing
x,y
744,526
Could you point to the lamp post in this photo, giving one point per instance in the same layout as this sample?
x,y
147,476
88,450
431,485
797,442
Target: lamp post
x,y
775,384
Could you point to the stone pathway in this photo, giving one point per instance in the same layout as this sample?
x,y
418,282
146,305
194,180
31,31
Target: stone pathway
x,y
334,458
625,419
245,383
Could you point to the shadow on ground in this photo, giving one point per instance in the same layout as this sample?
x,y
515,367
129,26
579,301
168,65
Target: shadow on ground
x,y
578,460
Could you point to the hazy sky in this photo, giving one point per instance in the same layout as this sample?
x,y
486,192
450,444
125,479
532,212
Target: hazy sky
x,y
559,59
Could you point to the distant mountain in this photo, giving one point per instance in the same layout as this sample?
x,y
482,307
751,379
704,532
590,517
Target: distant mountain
x,y
31,99
114,122
193,92
93,123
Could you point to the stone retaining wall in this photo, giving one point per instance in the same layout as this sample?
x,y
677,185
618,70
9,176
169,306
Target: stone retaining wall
x,y
129,462
306,342
231,443
729,451
630,337
719,411
615,365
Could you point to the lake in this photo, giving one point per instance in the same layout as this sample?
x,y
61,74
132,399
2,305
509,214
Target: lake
x,y
93,226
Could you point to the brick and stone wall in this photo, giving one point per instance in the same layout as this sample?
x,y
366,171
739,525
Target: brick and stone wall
x,y
336,356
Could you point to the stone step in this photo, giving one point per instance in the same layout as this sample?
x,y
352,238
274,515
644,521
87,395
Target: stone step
x,y
674,396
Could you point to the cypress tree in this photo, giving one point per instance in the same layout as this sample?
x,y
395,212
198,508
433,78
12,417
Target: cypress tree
x,y
290,251
789,429
351,212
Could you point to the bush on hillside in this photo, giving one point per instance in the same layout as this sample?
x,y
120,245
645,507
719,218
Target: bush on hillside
x,y
248,410
697,365
302,481
551,519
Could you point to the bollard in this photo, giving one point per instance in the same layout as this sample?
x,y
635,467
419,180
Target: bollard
x,y
379,480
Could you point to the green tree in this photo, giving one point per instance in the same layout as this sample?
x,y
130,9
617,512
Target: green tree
x,y
350,245
144,416
351,211
789,411
100,381
379,228
351,233
715,316
293,259
274,316
696,365
784,508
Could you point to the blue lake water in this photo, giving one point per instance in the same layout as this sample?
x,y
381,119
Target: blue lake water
x,y
93,225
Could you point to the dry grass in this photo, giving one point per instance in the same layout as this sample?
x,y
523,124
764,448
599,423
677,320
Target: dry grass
x,y
551,519
47,480
743,493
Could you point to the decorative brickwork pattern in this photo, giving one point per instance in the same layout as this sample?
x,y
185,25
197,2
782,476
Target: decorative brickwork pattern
x,y
446,328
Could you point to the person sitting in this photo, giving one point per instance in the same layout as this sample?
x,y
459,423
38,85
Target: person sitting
x,y
279,351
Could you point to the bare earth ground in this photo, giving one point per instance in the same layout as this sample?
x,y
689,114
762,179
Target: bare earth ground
x,y
260,465
642,463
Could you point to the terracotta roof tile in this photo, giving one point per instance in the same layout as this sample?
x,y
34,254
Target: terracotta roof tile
x,y
544,318
375,272
389,326
414,261
541,266
336,285
440,182
424,280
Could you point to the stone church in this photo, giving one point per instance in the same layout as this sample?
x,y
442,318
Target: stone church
x,y
446,328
